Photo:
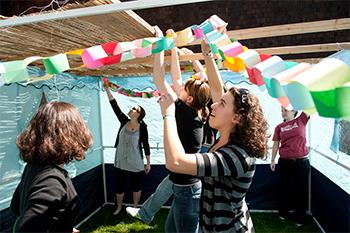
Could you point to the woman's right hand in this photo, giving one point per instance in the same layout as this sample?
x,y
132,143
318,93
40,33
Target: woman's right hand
x,y
158,32
170,33
167,104
106,86
273,166
205,48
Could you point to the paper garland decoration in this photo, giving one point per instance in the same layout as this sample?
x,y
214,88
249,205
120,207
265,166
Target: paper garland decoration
x,y
323,87
130,93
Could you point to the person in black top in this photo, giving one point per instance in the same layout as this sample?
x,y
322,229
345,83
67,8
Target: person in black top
x,y
132,137
191,113
45,199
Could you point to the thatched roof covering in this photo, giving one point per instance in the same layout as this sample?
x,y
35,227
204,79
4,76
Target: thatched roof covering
x,y
54,37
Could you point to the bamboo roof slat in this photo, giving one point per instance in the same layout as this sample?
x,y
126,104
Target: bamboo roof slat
x,y
49,38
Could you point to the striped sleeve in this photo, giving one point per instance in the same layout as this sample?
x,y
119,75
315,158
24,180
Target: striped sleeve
x,y
227,161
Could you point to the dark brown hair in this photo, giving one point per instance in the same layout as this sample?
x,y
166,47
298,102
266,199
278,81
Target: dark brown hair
x,y
56,134
251,131
142,113
200,92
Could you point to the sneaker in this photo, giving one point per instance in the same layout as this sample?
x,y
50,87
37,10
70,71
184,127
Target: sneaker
x,y
298,224
283,215
133,212
117,211
299,220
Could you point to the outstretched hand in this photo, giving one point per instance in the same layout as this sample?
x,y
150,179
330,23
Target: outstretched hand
x,y
205,48
158,32
170,33
167,104
186,51
106,86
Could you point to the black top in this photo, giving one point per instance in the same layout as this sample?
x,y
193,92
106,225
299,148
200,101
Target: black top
x,y
190,130
45,200
123,119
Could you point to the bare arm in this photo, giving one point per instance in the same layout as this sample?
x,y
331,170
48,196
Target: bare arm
x,y
197,66
109,94
275,147
176,160
175,157
214,78
159,69
176,71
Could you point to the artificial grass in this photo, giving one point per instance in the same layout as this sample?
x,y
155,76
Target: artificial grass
x,y
270,222
103,222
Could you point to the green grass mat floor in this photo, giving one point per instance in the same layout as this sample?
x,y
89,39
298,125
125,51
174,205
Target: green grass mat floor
x,y
103,221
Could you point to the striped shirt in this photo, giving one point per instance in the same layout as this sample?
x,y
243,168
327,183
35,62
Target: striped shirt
x,y
227,174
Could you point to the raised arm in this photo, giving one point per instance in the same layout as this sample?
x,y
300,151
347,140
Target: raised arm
x,y
118,112
214,78
159,69
176,71
176,160
109,94
197,66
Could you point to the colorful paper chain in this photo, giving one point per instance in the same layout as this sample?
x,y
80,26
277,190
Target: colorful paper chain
x,y
324,87
130,93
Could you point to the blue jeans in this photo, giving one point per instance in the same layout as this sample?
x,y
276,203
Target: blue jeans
x,y
153,204
184,212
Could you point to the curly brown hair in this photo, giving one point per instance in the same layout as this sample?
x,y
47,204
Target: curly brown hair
x,y
56,134
251,131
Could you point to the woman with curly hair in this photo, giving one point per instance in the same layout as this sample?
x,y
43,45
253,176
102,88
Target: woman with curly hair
x,y
228,168
45,199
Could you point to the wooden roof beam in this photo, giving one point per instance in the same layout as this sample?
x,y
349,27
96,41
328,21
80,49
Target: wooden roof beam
x,y
288,29
314,48
298,49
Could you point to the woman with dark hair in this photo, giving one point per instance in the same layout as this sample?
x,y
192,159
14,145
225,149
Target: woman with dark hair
x,y
45,199
227,169
132,137
289,140
191,113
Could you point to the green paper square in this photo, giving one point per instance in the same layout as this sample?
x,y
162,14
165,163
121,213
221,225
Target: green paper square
x,y
56,64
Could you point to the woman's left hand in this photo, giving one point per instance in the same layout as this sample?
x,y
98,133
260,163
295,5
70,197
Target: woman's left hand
x,y
147,168
167,104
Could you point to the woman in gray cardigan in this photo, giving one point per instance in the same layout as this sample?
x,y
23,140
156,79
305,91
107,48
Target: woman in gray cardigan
x,y
132,137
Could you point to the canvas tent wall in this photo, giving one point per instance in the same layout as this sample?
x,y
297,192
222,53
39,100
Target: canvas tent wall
x,y
18,103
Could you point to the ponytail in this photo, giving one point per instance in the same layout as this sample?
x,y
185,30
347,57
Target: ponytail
x,y
204,113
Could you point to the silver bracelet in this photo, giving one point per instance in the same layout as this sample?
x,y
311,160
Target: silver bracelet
x,y
208,55
168,116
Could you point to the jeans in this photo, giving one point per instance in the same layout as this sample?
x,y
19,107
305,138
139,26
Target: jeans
x,y
294,177
153,204
184,212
